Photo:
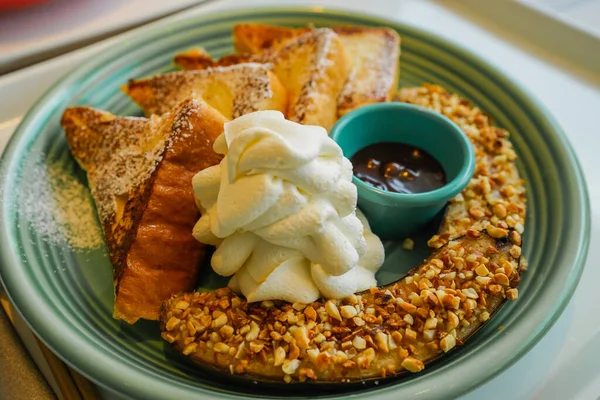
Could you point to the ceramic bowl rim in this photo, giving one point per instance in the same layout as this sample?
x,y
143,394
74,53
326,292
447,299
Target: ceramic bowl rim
x,y
439,195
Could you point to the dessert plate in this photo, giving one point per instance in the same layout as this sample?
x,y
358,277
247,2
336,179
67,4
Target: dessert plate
x,y
56,271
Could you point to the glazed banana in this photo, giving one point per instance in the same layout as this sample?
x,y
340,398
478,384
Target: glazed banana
x,y
474,267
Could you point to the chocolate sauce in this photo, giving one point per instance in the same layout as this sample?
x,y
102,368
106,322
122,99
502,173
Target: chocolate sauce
x,y
398,167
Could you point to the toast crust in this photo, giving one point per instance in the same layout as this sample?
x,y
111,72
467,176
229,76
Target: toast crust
x,y
197,58
140,172
373,78
257,38
314,68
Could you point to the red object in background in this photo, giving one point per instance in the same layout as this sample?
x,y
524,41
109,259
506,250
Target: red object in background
x,y
6,4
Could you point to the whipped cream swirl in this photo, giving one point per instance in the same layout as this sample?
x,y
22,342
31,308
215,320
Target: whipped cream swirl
x,y
281,210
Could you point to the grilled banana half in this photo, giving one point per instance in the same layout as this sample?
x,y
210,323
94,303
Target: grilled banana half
x,y
474,267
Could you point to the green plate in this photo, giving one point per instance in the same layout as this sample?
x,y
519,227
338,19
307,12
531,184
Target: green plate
x,y
66,295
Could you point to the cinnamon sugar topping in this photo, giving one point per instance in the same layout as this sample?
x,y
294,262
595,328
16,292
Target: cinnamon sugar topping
x,y
248,85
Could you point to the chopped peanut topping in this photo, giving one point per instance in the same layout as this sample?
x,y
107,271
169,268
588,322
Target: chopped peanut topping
x,y
412,364
332,310
447,343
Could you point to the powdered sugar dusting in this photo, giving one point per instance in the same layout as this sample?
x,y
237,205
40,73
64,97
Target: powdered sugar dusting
x,y
308,98
372,77
181,125
248,83
57,206
124,165
255,88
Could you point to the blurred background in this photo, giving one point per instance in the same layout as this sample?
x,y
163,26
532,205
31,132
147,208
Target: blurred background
x,y
584,14
35,30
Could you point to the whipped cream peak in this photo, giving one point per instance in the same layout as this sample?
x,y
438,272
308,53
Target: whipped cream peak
x,y
302,154
282,199
274,143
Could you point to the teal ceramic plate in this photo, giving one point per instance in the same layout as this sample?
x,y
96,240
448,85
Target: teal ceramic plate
x,y
66,295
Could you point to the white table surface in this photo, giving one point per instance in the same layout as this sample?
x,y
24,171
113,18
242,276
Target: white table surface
x,y
566,362
37,32
582,13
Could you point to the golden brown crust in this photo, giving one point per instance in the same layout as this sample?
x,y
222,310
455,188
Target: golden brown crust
x,y
375,57
198,58
195,58
314,68
387,330
257,38
139,171
120,156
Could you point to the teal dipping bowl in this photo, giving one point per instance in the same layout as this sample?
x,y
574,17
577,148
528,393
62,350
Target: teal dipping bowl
x,y
397,215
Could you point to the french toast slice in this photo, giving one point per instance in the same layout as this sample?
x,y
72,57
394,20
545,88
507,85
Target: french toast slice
x,y
233,90
313,67
372,51
198,58
257,38
375,57
195,58
140,172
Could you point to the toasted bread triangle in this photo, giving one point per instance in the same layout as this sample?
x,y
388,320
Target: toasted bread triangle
x,y
233,90
258,38
140,171
198,58
375,57
372,51
312,66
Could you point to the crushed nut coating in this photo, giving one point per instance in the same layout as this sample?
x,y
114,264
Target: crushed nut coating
x,y
403,325
494,199
385,331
